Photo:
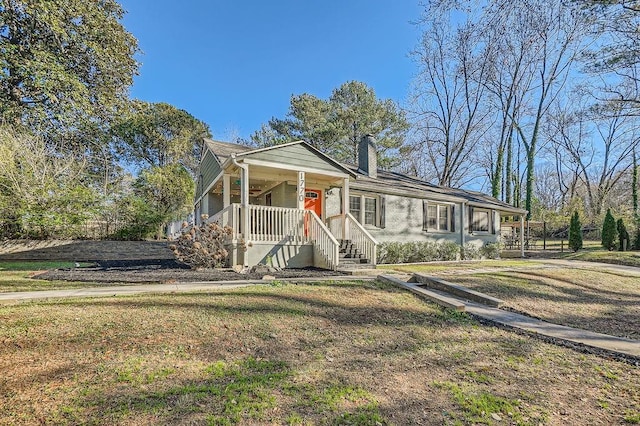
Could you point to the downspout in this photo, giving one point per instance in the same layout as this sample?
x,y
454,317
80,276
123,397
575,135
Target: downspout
x,y
522,235
244,202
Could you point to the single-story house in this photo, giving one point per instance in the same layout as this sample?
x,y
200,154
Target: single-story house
x,y
291,205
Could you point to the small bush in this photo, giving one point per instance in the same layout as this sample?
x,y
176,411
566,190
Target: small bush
x,y
448,251
609,231
390,253
425,251
491,250
470,252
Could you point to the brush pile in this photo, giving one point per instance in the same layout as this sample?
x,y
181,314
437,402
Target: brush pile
x,y
202,246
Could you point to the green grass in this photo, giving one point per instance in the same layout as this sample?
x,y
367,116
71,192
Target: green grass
x,y
30,265
478,406
19,276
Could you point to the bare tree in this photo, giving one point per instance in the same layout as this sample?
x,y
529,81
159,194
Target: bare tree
x,y
596,144
447,103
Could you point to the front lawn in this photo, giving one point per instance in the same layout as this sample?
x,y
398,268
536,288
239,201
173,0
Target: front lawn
x,y
324,353
629,258
18,276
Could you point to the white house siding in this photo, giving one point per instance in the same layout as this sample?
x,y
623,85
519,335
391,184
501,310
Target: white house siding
x,y
403,220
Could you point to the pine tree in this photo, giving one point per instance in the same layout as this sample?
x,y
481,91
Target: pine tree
x,y
623,235
575,233
609,231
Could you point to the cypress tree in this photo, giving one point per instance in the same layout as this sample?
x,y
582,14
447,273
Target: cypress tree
x,y
609,231
575,232
623,235
634,193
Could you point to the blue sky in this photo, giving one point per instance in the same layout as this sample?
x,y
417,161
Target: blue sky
x,y
235,64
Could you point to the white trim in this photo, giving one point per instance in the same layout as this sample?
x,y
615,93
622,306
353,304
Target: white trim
x,y
263,163
439,204
362,212
490,221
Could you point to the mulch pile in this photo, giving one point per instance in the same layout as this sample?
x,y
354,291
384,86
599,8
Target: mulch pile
x,y
167,271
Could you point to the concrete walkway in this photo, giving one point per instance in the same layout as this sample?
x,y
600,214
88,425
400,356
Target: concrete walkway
x,y
569,334
125,290
633,271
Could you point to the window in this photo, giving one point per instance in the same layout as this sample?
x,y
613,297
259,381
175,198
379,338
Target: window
x,y
367,210
480,220
437,217
354,206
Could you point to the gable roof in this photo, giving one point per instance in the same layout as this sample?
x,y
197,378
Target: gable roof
x,y
225,150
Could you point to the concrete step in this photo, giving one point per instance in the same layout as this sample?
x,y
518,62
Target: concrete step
x,y
434,296
456,290
357,268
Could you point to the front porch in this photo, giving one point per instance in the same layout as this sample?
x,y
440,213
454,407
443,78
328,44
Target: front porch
x,y
276,209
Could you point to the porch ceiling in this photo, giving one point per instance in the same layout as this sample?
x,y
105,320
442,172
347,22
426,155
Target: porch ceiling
x,y
262,179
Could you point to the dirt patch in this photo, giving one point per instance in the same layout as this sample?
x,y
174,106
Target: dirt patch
x,y
167,271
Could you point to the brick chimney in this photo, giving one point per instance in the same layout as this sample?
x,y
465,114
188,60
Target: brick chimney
x,y
367,156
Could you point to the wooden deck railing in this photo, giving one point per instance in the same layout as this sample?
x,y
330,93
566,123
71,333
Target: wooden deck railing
x,y
324,243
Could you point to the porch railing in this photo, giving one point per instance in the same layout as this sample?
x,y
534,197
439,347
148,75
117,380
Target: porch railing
x,y
279,224
276,224
266,223
356,233
361,238
324,243
225,217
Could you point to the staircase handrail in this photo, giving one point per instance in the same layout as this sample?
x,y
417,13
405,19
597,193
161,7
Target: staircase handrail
x,y
326,243
362,238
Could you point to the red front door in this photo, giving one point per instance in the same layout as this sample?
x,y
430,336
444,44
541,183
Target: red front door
x,y
313,201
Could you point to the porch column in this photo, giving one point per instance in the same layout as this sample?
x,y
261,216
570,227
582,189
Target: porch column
x,y
226,190
301,189
521,235
345,208
204,206
463,214
244,201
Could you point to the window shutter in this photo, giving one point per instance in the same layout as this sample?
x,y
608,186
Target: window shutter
x,y
382,212
425,219
341,203
452,219
470,219
492,222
